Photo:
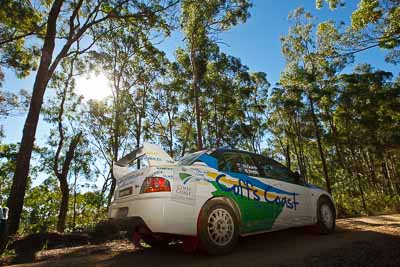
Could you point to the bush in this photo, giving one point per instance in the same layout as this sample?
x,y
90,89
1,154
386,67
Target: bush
x,y
105,230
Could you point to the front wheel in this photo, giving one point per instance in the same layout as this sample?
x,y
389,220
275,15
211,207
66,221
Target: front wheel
x,y
326,216
218,228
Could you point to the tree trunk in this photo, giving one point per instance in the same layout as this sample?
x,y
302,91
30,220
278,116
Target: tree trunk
x,y
189,129
62,215
358,173
74,204
320,149
171,134
287,152
197,111
18,188
62,178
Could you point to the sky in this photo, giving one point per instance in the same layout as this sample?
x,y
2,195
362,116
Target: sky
x,y
256,43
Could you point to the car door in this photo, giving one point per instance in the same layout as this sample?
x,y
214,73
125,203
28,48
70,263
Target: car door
x,y
291,195
243,183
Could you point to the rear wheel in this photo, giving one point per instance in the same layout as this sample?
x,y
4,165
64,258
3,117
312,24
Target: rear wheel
x,y
218,228
326,216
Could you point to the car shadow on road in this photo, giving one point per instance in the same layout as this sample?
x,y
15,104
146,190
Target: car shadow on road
x,y
293,247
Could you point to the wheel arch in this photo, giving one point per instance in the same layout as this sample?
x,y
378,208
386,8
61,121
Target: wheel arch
x,y
330,199
230,202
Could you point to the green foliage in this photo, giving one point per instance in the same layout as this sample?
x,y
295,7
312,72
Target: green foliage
x,y
378,204
105,230
200,23
41,208
368,12
19,20
341,131
8,154
332,3
89,210
350,121
374,24
42,204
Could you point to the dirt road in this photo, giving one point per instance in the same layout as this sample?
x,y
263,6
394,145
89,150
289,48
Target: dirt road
x,y
368,241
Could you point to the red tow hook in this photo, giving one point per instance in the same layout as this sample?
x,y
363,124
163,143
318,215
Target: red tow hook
x,y
136,240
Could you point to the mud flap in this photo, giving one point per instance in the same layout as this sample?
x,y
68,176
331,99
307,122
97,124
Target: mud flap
x,y
190,244
136,240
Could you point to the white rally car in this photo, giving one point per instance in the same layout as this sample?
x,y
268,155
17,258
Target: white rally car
x,y
212,197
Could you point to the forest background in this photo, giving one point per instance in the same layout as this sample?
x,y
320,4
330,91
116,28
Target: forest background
x,y
84,82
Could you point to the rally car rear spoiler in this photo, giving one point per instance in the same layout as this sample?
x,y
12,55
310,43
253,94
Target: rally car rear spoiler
x,y
154,155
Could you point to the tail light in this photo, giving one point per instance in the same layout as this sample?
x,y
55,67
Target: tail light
x,y
155,184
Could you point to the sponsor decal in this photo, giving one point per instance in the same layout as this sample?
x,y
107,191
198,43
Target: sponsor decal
x,y
184,190
186,177
260,204
247,189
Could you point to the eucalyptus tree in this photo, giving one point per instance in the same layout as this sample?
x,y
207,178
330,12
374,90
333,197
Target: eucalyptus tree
x,y
12,104
169,97
253,91
19,20
287,124
374,23
65,22
221,96
367,116
312,63
133,65
201,21
181,76
63,111
228,84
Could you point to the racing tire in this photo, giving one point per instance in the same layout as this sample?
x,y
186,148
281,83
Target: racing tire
x,y
218,228
326,216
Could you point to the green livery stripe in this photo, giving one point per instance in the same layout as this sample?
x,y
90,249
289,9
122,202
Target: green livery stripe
x,y
183,176
255,215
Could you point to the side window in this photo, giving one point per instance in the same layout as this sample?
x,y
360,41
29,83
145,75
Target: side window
x,y
274,170
238,162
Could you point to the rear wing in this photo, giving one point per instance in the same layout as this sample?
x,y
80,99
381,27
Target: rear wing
x,y
154,155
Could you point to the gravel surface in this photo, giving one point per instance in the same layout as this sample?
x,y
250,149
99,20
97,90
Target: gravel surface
x,y
366,241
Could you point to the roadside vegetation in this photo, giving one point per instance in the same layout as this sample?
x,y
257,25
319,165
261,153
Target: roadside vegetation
x,y
335,122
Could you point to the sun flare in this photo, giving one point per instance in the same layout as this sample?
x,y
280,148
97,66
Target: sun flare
x,y
94,86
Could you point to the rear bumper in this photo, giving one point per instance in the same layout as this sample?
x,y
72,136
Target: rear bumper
x,y
158,212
